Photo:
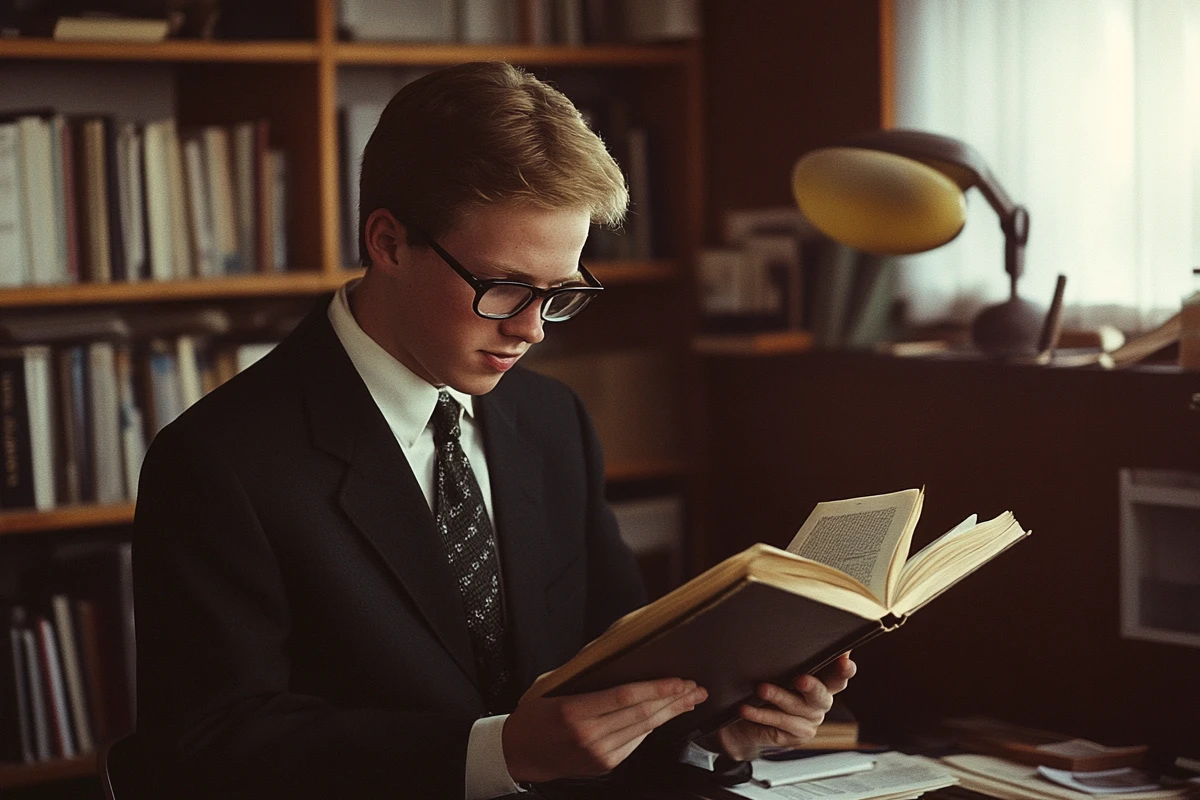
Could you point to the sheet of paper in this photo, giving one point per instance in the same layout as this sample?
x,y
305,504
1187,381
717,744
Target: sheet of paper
x,y
895,775
1108,781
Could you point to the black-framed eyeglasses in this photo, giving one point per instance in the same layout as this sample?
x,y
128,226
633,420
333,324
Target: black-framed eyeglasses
x,y
502,299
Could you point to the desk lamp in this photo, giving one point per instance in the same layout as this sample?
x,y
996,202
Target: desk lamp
x,y
898,192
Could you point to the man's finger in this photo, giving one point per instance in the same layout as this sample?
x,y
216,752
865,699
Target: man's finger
x,y
792,703
606,701
814,692
837,675
639,728
624,717
795,728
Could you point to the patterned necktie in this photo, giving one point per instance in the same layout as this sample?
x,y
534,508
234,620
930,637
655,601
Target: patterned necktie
x,y
466,532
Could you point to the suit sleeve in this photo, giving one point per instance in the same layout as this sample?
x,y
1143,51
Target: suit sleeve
x,y
215,714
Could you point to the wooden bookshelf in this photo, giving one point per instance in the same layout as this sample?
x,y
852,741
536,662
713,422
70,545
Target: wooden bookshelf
x,y
65,517
295,86
14,776
34,49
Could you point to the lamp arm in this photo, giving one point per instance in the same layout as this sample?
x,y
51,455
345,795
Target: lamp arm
x,y
1014,221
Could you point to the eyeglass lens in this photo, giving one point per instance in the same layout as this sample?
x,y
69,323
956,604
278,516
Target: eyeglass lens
x,y
505,301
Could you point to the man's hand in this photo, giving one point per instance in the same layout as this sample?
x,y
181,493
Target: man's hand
x,y
791,719
590,734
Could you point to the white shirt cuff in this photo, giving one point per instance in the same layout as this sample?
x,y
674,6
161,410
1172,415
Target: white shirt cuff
x,y
697,756
487,771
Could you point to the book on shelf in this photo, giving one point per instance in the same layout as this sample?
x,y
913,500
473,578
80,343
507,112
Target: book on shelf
x,y
26,428
110,29
88,199
17,743
768,614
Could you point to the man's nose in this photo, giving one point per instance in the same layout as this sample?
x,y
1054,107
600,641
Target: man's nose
x,y
527,325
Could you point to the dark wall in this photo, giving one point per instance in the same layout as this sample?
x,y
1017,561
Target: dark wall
x,y
783,77
1033,637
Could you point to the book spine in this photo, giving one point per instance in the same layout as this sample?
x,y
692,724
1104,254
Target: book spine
x,y
37,696
17,488
38,185
38,394
93,667
183,264
21,687
244,135
94,201
113,180
14,264
72,671
107,461
158,201
70,212
52,677
200,210
262,188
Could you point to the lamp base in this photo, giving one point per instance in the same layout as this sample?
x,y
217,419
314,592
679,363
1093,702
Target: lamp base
x,y
1010,329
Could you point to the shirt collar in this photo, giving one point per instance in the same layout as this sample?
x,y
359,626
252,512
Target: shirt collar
x,y
406,400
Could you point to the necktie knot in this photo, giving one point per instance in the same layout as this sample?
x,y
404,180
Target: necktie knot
x,y
445,418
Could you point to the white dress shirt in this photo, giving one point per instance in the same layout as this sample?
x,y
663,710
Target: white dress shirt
x,y
407,403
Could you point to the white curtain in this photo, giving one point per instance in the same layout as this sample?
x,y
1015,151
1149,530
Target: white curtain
x,y
1088,113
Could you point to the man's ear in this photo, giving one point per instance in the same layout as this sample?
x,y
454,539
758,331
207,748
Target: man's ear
x,y
384,237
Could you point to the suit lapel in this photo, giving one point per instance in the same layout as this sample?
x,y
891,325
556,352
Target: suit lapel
x,y
379,492
515,468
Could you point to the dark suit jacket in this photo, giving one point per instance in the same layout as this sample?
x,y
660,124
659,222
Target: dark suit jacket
x,y
299,633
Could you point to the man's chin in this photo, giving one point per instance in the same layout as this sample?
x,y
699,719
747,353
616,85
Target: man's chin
x,y
476,384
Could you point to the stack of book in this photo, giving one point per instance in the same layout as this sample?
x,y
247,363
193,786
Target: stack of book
x,y
92,199
67,678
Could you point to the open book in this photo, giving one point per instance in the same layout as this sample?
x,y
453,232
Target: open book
x,y
767,614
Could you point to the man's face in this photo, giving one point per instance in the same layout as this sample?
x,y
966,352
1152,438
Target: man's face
x,y
435,331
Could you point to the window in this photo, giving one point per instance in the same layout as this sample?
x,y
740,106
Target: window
x,y
1088,113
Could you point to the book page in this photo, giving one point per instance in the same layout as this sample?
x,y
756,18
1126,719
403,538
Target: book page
x,y
866,537
952,557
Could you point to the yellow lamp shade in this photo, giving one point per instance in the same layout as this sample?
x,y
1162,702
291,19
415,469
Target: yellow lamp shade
x,y
878,202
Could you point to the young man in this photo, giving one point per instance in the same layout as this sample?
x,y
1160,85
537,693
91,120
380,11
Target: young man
x,y
352,559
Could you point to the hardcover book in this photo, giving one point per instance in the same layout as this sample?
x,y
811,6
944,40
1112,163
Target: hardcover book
x,y
767,614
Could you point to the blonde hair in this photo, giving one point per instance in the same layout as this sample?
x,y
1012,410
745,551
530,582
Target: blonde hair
x,y
480,134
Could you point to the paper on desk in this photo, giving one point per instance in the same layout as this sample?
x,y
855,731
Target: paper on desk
x,y
781,773
1108,781
895,776
1000,778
